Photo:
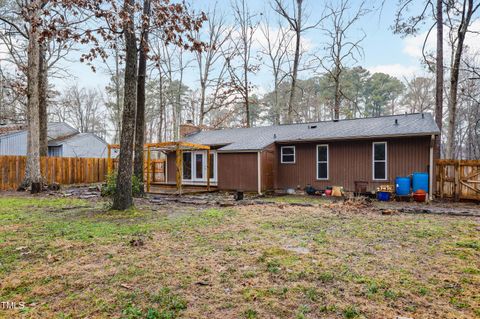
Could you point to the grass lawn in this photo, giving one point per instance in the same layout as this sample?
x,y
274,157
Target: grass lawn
x,y
68,258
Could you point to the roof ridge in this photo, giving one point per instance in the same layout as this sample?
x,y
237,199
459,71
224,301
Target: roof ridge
x,y
315,122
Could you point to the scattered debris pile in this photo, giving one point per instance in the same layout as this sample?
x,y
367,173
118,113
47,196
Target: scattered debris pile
x,y
351,204
209,199
84,192
433,210
357,205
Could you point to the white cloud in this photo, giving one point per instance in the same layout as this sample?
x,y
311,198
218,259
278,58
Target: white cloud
x,y
398,70
413,45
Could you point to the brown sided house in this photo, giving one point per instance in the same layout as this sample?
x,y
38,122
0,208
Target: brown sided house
x,y
364,152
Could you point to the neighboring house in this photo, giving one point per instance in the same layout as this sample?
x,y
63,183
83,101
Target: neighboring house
x,y
348,153
63,141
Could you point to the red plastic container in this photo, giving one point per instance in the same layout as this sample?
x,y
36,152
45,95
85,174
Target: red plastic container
x,y
328,192
420,196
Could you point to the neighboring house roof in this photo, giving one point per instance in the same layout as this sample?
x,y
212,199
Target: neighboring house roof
x,y
73,137
82,145
11,128
55,130
75,144
59,130
257,138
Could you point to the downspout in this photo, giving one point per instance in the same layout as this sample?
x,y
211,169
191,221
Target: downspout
x,y
259,170
430,173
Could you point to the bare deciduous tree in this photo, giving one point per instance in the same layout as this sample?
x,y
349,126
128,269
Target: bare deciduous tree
x,y
459,17
33,173
297,21
140,112
241,50
420,94
275,46
340,48
123,195
210,78
81,107
439,77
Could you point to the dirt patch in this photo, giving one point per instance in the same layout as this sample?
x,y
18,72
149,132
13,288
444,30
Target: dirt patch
x,y
268,259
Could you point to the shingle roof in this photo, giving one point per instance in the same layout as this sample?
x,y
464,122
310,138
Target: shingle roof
x,y
11,128
257,138
55,130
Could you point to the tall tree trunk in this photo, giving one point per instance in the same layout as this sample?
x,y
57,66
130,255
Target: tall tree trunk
x,y
161,108
34,177
203,90
140,117
247,98
336,106
276,109
42,91
296,61
117,96
123,196
454,76
439,80
294,79
178,100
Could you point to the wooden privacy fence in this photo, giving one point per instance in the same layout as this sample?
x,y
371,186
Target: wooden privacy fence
x,y
61,170
458,179
68,170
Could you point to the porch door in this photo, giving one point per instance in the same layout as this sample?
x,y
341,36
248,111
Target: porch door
x,y
199,166
194,167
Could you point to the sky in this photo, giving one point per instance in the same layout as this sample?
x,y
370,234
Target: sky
x,y
383,51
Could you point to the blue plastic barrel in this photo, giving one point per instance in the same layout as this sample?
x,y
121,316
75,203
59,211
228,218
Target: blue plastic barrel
x,y
383,196
402,186
420,181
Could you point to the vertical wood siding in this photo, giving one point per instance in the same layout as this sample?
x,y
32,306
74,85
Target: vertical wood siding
x,y
351,161
238,171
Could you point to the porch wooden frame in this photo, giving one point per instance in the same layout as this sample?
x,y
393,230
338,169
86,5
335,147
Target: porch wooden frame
x,y
178,147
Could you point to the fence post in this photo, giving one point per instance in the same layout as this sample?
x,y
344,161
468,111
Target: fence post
x,y
109,163
457,180
441,172
148,169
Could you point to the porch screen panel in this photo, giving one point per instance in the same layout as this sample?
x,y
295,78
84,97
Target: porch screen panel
x,y
199,166
187,165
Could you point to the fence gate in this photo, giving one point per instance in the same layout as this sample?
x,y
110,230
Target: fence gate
x,y
458,179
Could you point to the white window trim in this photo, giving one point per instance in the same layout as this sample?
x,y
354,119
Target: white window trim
x,y
193,179
328,162
294,155
213,154
195,168
373,161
